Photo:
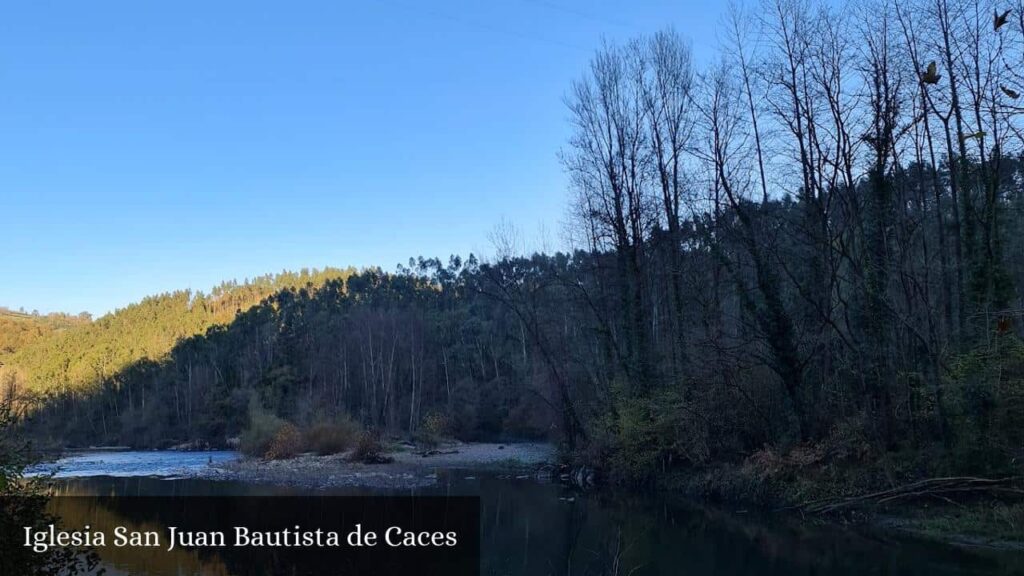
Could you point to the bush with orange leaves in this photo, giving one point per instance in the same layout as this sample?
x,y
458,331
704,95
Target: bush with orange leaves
x,y
287,443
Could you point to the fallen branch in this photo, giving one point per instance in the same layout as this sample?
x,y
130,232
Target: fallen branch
x,y
931,487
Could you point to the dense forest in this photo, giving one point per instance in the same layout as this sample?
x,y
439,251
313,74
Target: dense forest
x,y
18,329
806,256
74,353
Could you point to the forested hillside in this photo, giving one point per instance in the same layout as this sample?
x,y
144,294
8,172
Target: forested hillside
x,y
388,350
74,354
20,329
804,259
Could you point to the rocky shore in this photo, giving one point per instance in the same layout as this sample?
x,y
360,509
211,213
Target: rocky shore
x,y
407,468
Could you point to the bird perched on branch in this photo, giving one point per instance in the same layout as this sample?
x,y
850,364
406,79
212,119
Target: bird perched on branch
x,y
1011,93
980,135
931,75
999,19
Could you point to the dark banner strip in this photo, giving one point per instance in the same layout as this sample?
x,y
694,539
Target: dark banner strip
x,y
301,536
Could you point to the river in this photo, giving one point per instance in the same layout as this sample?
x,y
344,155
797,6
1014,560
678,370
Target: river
x,y
530,527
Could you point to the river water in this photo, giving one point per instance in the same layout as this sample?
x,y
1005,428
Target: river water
x,y
533,528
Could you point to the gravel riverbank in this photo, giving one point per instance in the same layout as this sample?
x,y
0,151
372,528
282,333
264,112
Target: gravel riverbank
x,y
407,469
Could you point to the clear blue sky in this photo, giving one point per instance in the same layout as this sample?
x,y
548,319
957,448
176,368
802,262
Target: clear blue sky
x,y
149,146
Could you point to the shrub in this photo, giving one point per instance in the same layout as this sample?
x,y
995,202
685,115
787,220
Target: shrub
x,y
23,504
849,439
328,438
258,437
984,401
433,429
369,449
287,443
650,435
437,424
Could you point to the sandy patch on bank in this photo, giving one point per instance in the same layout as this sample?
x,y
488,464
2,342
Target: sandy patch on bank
x,y
408,470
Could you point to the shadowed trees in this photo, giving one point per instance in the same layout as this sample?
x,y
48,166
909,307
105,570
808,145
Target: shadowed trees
x,y
811,244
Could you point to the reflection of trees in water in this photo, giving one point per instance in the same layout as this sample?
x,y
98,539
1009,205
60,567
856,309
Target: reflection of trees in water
x,y
527,530
78,512
269,517
531,530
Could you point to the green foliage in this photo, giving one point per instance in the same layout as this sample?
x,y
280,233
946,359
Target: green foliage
x,y
257,439
23,503
13,451
843,321
19,330
311,355
986,405
647,435
82,354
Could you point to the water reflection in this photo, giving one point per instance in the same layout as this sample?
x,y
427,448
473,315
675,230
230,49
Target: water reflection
x,y
80,512
532,528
